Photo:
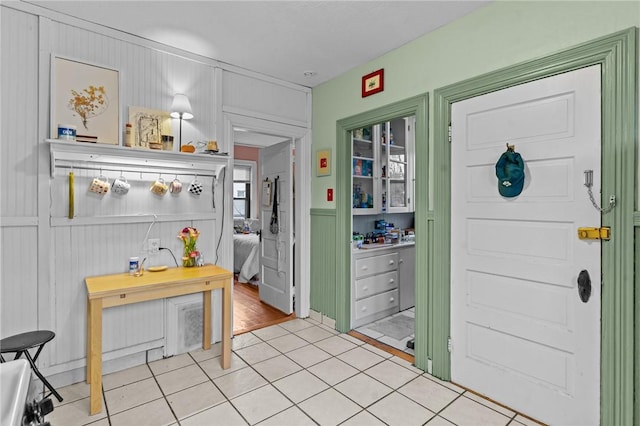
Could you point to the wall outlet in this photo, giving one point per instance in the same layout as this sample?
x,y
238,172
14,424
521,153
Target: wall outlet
x,y
154,245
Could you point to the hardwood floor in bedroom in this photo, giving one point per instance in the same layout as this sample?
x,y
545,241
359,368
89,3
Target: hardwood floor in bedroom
x,y
249,313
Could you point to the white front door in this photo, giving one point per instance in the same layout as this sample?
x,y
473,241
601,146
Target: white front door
x,y
520,333
276,249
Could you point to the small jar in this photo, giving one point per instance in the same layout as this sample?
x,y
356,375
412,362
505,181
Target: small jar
x,y
167,142
67,132
128,135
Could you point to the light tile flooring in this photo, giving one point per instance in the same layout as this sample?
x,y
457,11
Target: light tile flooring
x,y
295,373
400,344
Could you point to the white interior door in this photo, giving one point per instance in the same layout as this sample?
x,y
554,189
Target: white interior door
x,y
276,249
520,333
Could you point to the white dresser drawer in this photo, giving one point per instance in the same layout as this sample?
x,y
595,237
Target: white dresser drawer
x,y
374,304
369,286
376,264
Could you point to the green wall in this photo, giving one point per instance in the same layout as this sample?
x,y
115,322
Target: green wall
x,y
498,35
323,262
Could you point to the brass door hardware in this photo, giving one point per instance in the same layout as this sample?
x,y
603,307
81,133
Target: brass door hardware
x,y
603,233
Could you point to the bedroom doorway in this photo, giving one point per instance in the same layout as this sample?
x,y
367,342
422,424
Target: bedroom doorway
x,y
247,131
251,311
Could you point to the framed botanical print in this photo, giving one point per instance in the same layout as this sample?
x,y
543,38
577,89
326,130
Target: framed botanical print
x,y
86,96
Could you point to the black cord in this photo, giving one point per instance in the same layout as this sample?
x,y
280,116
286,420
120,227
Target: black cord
x,y
213,192
174,258
224,177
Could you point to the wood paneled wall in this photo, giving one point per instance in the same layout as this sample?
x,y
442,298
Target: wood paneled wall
x,y
18,172
323,267
45,257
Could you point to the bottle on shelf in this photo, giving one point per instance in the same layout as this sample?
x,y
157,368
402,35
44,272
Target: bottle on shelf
x,y
128,135
357,167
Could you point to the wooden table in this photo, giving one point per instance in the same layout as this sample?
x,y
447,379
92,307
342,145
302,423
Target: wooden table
x,y
122,289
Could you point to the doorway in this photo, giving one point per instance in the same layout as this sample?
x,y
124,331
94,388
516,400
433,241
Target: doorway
x,y
253,143
412,107
249,311
383,230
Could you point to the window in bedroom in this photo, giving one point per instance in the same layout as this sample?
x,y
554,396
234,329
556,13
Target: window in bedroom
x,y
242,191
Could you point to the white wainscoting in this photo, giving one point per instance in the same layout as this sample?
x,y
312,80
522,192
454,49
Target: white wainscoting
x,y
45,256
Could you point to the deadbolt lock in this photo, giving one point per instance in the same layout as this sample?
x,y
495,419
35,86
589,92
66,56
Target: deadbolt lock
x,y
603,233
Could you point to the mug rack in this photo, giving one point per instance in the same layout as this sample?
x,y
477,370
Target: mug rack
x,y
73,155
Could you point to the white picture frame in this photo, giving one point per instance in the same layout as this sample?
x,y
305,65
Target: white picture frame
x,y
148,126
87,96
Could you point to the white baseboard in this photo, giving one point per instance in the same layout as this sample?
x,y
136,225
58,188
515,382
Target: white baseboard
x,y
77,375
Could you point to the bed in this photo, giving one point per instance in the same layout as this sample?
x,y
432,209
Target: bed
x,y
246,256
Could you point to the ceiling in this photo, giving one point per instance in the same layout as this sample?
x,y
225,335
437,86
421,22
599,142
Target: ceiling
x,y
282,39
303,42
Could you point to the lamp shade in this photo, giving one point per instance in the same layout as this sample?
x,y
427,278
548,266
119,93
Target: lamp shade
x,y
181,107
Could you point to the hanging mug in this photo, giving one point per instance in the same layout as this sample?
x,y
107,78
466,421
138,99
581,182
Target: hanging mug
x,y
120,185
175,187
196,187
158,187
99,185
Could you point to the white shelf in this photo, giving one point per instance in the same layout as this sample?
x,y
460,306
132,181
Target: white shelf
x,y
68,155
365,141
392,147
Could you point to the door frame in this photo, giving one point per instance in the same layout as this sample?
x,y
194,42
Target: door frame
x,y
302,206
417,106
617,56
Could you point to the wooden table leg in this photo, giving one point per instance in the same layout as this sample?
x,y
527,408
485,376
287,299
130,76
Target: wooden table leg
x,y
226,325
89,336
206,320
94,356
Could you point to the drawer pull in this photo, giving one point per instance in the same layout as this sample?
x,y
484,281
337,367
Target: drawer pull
x,y
364,268
122,296
391,281
391,299
364,308
391,262
365,288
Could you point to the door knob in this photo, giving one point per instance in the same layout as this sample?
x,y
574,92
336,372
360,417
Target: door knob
x,y
584,285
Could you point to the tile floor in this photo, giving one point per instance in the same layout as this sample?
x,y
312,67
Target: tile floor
x,y
295,373
400,344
